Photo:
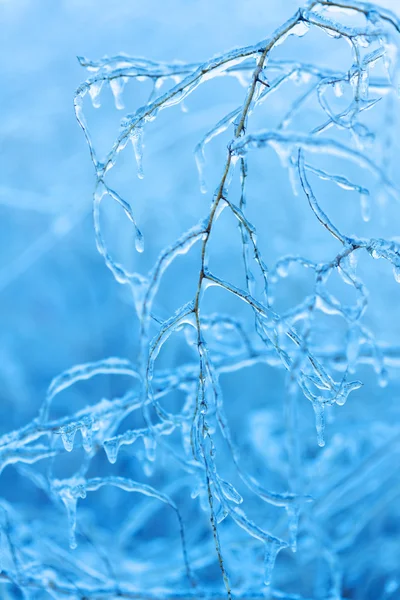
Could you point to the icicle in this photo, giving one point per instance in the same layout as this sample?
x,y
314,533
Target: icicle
x,y
375,254
319,410
68,436
220,208
383,377
69,497
365,202
139,240
148,468
195,493
300,29
345,390
111,448
94,92
150,445
220,515
229,492
117,85
136,138
271,550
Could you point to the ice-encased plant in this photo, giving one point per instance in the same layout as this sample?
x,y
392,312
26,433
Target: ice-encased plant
x,y
220,484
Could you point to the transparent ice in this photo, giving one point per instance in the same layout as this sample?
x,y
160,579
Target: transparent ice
x,y
222,417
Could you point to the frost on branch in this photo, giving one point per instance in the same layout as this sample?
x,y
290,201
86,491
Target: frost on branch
x,y
228,489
